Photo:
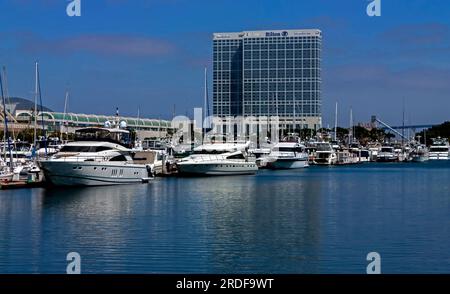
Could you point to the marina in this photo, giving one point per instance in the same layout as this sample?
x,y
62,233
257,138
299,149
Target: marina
x,y
208,138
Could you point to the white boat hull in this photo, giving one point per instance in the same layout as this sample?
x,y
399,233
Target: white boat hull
x,y
66,173
217,168
288,163
439,156
325,161
387,158
6,177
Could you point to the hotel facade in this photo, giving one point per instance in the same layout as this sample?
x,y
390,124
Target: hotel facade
x,y
263,74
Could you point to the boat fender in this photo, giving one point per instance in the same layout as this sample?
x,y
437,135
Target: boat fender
x,y
150,171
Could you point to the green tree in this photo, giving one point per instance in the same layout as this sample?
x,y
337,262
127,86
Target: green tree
x,y
442,130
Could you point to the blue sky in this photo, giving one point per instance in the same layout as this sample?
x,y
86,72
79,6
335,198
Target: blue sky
x,y
151,54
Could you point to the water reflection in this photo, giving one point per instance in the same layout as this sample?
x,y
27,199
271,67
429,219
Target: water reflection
x,y
307,221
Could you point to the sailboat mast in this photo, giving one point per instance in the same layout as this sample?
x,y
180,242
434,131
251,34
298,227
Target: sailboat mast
x,y
277,112
205,105
5,115
65,111
403,123
425,137
35,104
295,120
302,119
42,111
335,122
350,137
6,95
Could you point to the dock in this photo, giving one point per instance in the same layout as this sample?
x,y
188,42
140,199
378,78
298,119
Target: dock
x,y
20,185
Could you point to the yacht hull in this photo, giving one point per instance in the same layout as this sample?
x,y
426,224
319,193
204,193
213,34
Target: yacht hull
x,y
325,158
6,177
288,163
419,158
387,158
63,173
439,156
324,162
216,168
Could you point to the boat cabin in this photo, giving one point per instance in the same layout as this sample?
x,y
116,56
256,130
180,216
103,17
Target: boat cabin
x,y
118,136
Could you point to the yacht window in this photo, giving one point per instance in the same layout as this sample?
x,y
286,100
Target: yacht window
x,y
439,149
387,149
365,153
119,158
209,152
236,156
95,134
289,149
84,148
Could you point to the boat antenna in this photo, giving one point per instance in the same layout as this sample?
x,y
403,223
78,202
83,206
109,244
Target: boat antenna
x,y
117,117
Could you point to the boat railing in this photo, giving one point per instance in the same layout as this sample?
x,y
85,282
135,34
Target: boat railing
x,y
202,158
81,158
283,154
206,158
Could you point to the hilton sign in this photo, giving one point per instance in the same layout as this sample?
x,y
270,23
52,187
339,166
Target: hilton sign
x,y
276,34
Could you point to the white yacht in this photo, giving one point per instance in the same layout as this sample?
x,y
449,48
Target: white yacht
x,y
325,154
98,156
358,153
47,147
420,153
215,159
387,154
6,175
286,155
439,150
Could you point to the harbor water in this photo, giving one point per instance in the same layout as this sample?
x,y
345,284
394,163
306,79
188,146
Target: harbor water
x,y
314,220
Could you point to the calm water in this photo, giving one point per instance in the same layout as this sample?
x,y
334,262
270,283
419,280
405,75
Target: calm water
x,y
316,220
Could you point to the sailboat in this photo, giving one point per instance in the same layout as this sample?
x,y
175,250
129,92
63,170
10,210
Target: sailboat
x,y
7,174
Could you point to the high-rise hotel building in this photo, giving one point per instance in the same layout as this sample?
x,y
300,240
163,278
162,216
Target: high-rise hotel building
x,y
269,73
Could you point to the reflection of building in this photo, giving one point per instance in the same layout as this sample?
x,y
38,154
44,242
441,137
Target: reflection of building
x,y
269,73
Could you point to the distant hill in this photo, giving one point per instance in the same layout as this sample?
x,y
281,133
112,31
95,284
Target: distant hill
x,y
16,103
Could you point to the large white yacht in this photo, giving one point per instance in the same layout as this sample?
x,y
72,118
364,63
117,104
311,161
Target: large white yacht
x,y
98,156
387,154
439,150
215,159
420,153
325,154
287,154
